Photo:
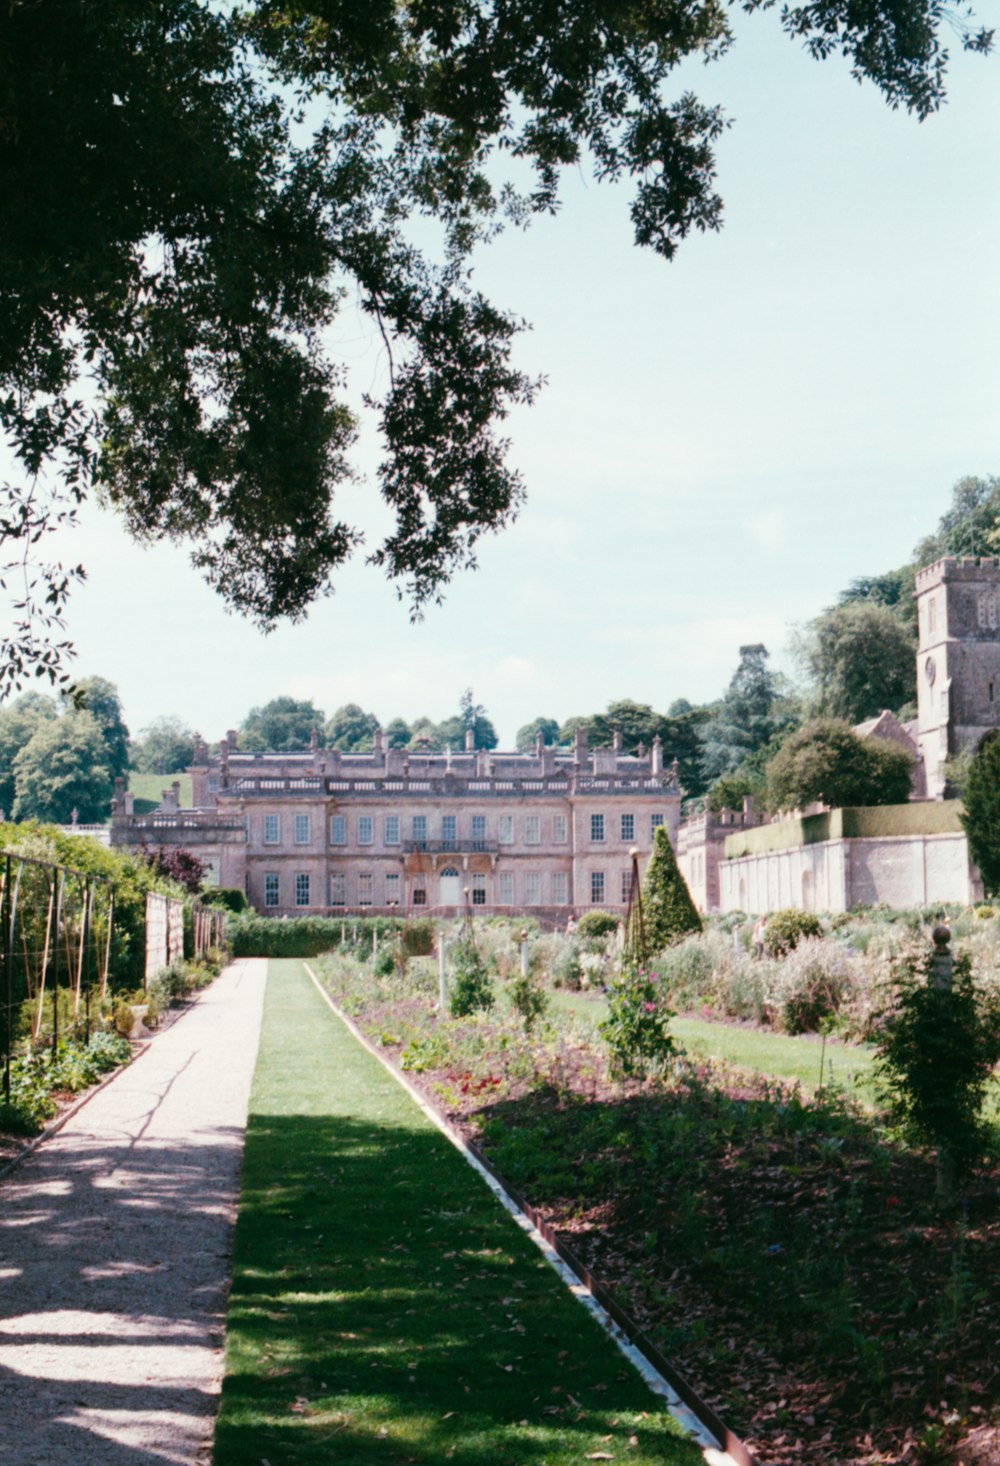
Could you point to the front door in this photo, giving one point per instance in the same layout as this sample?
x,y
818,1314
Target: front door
x,y
450,887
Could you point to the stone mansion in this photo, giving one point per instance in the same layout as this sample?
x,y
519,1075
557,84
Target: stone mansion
x,y
551,831
548,832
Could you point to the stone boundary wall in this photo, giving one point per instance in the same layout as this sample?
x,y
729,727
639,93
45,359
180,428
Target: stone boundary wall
x,y
836,875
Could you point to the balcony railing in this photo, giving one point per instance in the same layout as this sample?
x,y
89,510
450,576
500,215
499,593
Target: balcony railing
x,y
459,846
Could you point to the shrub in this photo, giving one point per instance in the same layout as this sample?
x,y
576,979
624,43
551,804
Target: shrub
x,y
385,962
936,1054
784,930
230,898
636,1030
809,985
471,985
597,923
527,998
566,970
668,910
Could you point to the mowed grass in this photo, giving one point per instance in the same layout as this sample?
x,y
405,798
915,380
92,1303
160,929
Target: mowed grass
x,y
384,1307
780,1055
148,790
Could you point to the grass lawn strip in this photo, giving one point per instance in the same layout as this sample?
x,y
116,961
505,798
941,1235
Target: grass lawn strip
x,y
847,1067
654,1380
384,1307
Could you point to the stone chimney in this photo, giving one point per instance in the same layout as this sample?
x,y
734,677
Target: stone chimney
x,y
200,755
224,763
616,742
170,799
657,764
539,744
232,738
470,740
580,749
314,740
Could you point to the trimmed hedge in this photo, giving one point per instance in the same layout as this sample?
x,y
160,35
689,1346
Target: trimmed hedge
x,y
923,817
309,936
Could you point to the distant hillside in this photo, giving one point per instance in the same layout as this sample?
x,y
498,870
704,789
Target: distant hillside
x,y
148,789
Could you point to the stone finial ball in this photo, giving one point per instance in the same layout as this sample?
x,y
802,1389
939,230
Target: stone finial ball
x,y
941,935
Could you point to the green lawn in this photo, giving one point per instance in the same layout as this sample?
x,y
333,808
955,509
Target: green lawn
x,y
148,789
384,1308
847,1066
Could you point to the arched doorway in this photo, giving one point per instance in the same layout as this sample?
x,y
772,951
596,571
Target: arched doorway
x,y
450,888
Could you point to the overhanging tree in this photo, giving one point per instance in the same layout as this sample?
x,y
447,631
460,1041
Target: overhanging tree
x,y
192,189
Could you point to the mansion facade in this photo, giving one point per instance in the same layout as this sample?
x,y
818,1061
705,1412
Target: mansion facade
x,y
395,831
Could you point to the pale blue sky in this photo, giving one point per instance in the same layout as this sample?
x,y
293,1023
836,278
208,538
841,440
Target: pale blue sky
x,y
724,442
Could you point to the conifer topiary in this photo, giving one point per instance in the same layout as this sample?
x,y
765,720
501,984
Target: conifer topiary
x,y
667,909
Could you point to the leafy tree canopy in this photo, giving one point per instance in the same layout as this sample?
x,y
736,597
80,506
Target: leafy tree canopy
x,y
351,729
861,659
971,524
826,761
473,717
753,709
527,735
397,733
165,747
192,189
18,723
982,810
64,768
283,725
894,589
99,697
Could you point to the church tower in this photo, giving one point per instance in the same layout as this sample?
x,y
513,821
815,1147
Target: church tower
x,y
958,660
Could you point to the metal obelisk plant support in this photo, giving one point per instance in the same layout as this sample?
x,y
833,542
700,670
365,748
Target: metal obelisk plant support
x,y
635,953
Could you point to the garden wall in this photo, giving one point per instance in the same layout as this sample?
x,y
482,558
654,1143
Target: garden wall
x,y
838,874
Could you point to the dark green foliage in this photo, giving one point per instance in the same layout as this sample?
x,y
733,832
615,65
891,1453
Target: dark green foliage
x,y
969,526
894,589
527,997
18,723
861,659
597,923
729,791
751,712
351,729
937,1049
251,935
216,229
826,761
419,937
470,987
74,1066
165,747
636,1030
99,698
526,735
283,725
397,733
981,816
785,929
231,898
667,908
61,770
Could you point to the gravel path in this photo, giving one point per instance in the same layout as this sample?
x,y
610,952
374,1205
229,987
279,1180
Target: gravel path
x,y
114,1251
